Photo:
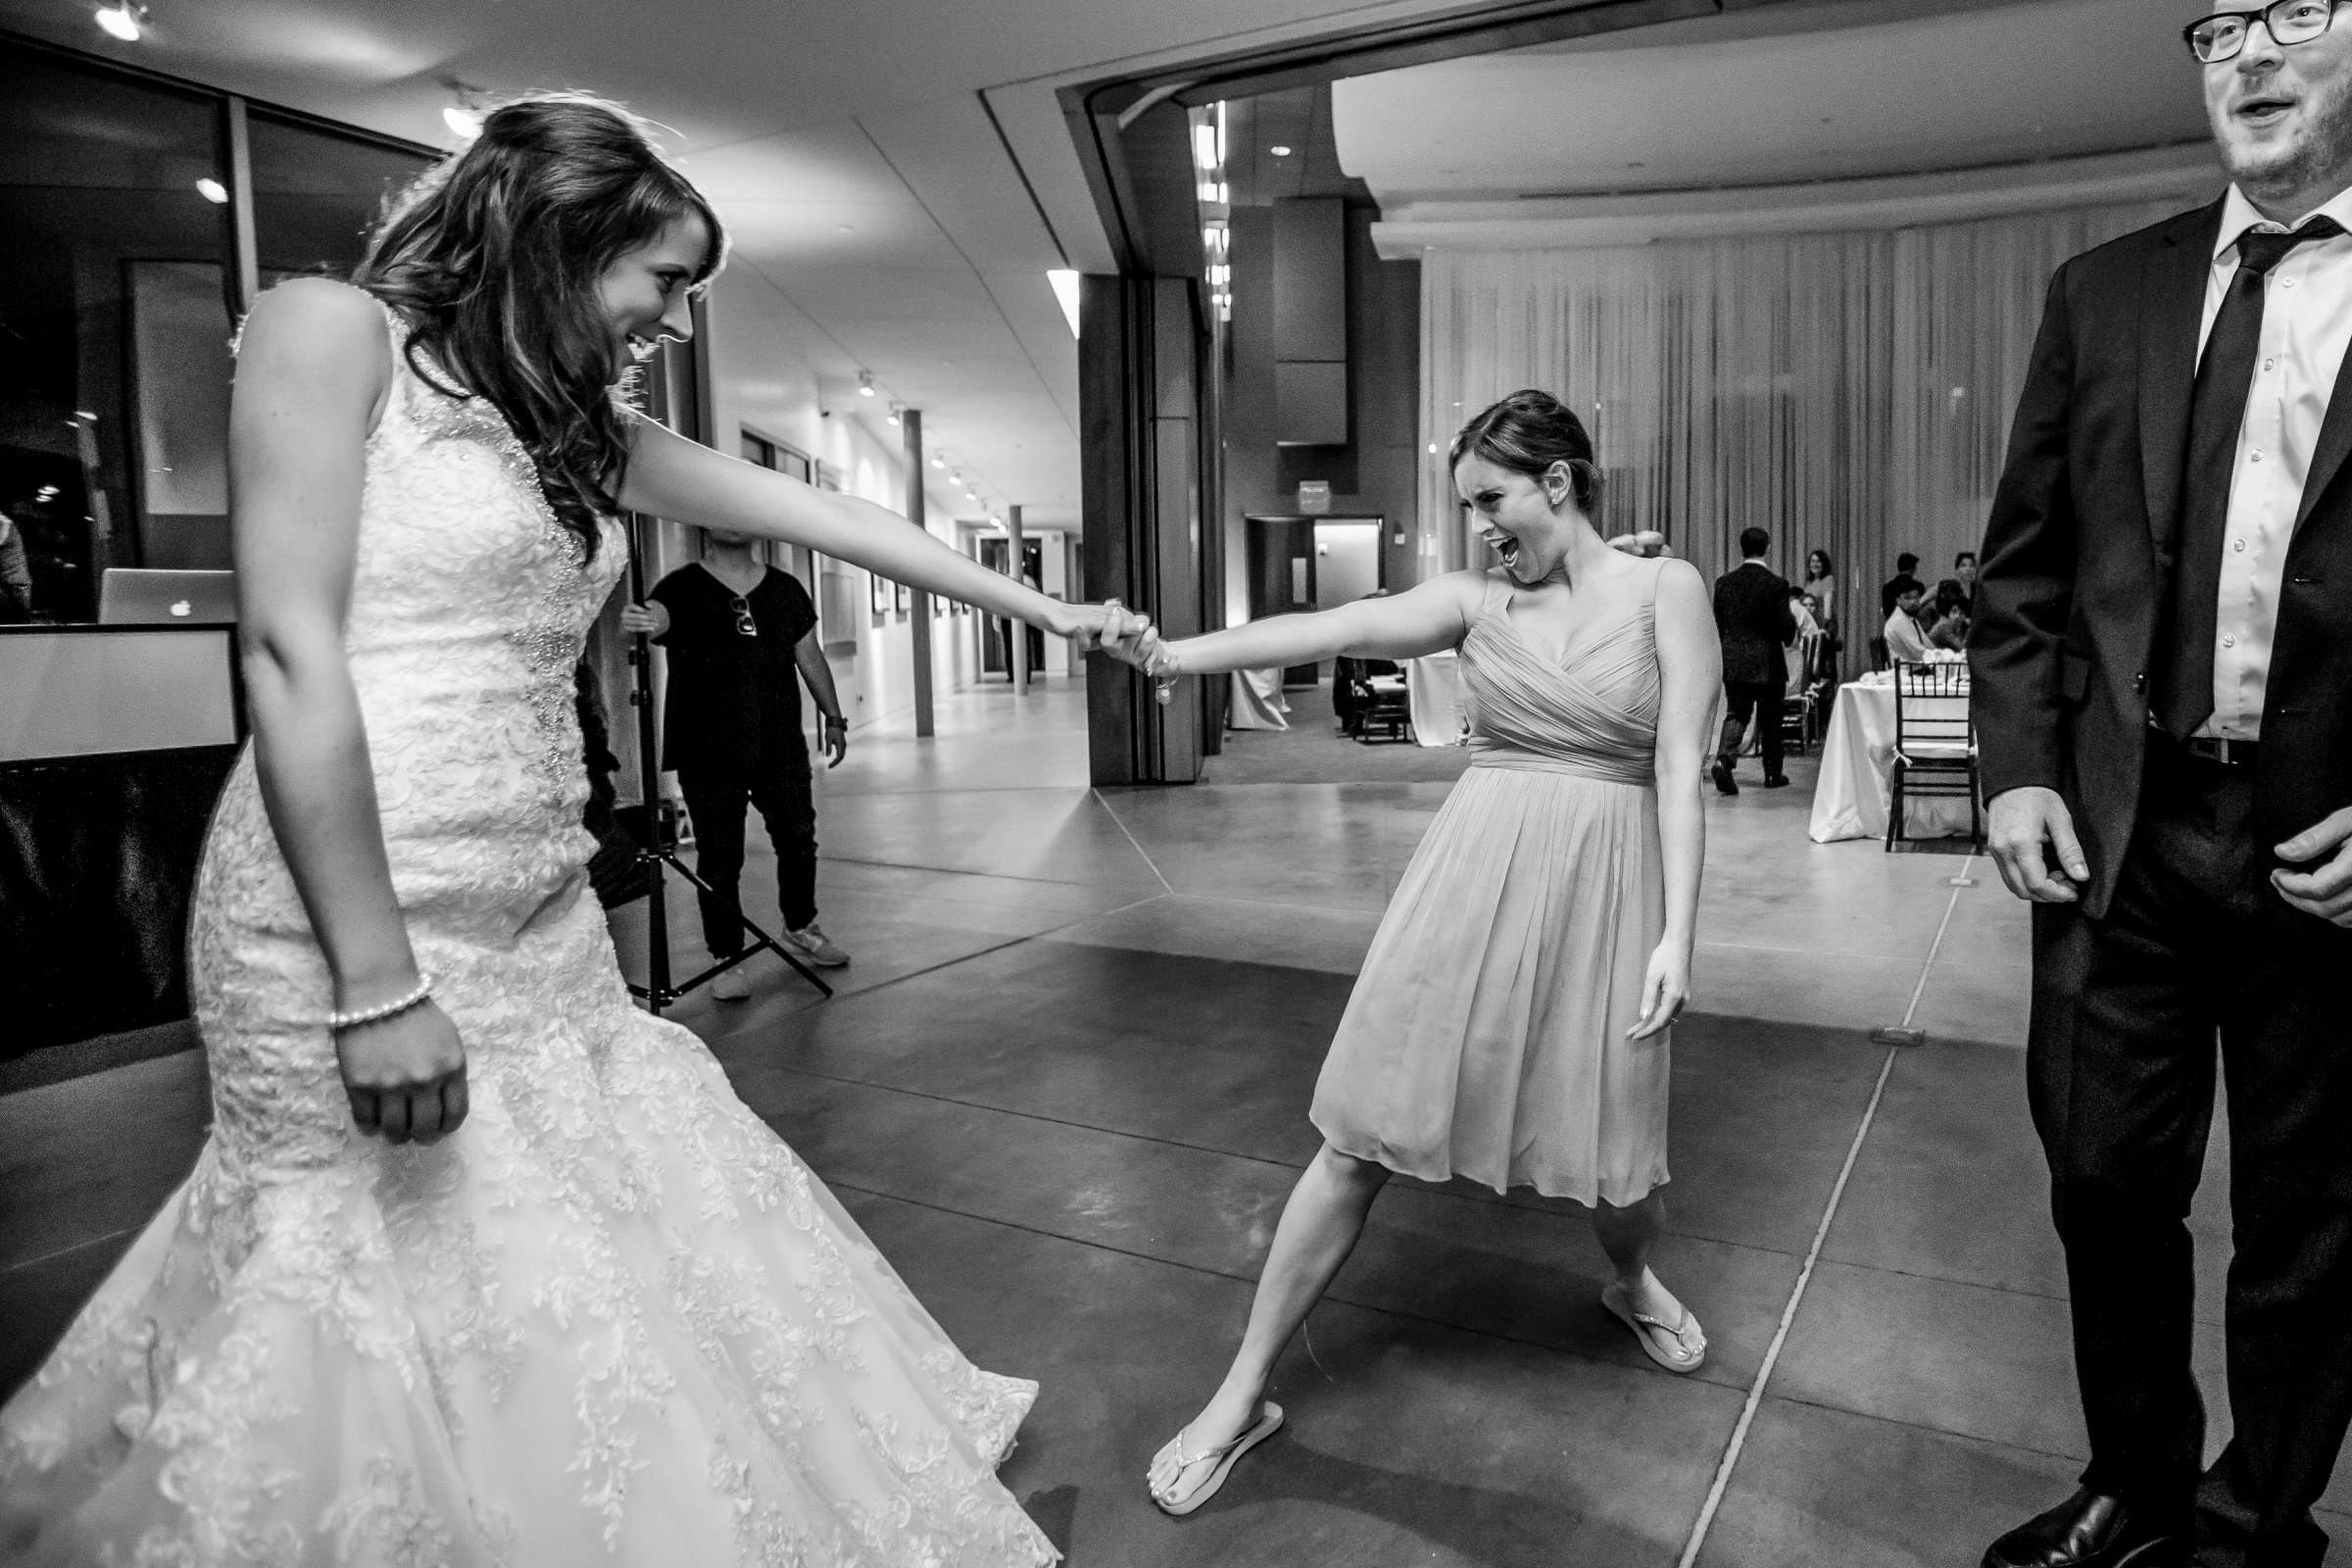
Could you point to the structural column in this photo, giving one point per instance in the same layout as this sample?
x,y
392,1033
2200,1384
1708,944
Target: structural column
x,y
1140,351
1020,633
911,421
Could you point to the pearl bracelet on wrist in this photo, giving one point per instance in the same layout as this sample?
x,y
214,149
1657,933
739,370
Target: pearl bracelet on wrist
x,y
339,1020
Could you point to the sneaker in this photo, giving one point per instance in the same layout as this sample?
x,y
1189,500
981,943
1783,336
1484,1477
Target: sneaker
x,y
812,943
731,985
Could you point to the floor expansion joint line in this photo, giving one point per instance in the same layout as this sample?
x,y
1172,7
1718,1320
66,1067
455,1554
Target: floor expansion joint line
x,y
1780,1337
1936,947
1113,814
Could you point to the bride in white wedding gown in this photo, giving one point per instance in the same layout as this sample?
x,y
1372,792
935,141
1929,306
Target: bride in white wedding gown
x,y
501,1273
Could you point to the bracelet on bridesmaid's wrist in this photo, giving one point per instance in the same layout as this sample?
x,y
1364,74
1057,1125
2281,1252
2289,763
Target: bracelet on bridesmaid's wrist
x,y
341,1019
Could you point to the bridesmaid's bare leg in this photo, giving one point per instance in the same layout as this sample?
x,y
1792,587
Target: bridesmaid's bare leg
x,y
1629,1235
1319,1228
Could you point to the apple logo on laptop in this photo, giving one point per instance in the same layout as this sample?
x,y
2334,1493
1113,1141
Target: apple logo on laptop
x,y
183,609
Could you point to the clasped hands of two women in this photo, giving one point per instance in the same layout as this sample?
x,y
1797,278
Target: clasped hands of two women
x,y
1129,636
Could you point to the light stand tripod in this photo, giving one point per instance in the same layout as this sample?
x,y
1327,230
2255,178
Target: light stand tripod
x,y
657,850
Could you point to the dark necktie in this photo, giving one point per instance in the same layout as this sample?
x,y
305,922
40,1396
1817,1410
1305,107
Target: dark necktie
x,y
2182,698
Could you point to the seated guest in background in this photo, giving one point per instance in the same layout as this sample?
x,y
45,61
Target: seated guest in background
x,y
1805,608
1947,620
1753,619
16,577
1964,569
1904,565
1821,581
1906,638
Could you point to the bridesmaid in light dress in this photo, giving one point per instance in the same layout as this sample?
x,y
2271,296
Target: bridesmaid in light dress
x,y
1512,1018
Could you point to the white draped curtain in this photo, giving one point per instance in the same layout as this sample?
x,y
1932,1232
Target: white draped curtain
x,y
1849,392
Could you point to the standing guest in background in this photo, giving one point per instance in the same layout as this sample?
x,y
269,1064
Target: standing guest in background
x,y
16,576
1946,618
1892,590
1905,636
1753,619
2163,694
1821,581
1964,571
741,636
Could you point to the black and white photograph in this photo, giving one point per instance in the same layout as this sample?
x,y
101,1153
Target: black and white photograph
x,y
1460,784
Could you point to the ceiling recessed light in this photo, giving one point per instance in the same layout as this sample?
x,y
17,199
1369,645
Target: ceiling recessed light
x,y
1279,151
126,21
212,190
461,122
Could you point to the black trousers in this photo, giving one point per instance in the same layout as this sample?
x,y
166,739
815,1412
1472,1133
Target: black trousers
x,y
2126,1011
1761,699
715,798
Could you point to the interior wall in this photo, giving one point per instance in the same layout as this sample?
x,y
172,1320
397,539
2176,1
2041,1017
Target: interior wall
x,y
1378,472
763,355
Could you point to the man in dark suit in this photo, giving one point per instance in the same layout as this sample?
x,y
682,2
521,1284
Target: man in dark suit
x,y
1755,623
1904,581
2163,689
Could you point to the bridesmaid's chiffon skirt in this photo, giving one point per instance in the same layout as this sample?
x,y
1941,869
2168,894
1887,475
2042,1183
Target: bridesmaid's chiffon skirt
x,y
1486,1037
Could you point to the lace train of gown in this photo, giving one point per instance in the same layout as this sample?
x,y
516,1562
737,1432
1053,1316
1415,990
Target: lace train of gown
x,y
612,1319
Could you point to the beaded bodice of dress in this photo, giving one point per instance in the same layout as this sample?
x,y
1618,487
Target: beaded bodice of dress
x,y
470,603
1593,712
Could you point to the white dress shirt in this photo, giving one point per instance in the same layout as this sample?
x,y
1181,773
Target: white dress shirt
x,y
2306,328
1906,644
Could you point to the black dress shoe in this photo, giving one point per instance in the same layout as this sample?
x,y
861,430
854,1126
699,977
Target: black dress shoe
x,y
1721,772
1776,781
2089,1531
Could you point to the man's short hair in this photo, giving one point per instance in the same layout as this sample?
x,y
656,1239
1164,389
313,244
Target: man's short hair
x,y
1907,561
1754,542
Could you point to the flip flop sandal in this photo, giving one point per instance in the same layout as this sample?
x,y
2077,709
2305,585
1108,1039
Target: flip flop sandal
x,y
1268,1422
1641,1323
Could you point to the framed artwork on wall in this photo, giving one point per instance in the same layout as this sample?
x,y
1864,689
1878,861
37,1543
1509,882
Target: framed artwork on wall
x,y
881,592
906,597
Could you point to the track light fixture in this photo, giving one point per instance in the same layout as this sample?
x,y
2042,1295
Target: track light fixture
x,y
865,383
128,20
895,409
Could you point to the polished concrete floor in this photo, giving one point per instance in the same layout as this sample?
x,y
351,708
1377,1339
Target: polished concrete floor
x,y
1063,1085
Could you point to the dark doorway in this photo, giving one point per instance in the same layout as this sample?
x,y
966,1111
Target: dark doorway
x,y
995,653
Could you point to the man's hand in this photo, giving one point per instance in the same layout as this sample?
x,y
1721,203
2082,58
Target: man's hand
x,y
2323,890
2029,827
837,739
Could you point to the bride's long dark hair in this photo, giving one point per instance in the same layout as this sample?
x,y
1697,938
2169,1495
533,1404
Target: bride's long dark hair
x,y
494,255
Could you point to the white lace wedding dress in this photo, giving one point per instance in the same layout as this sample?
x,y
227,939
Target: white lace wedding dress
x,y
611,1320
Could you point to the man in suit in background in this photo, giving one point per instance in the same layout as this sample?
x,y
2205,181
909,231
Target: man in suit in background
x,y
2163,690
1903,582
1754,621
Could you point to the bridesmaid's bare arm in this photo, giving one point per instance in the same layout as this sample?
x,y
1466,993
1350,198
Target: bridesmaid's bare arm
x,y
312,375
1406,625
1690,676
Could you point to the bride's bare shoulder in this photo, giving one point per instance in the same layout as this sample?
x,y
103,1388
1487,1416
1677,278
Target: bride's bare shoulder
x,y
331,318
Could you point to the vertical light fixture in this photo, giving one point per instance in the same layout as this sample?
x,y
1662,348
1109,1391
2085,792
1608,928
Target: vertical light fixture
x,y
1064,283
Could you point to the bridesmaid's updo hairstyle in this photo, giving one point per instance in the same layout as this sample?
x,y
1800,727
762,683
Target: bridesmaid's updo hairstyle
x,y
495,255
1527,434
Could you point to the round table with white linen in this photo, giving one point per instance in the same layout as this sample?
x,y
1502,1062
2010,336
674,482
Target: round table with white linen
x,y
1857,755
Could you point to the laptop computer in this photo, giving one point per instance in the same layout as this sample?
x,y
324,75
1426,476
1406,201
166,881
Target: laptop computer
x,y
129,596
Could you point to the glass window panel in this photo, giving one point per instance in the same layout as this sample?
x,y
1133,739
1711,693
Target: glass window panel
x,y
316,194
116,313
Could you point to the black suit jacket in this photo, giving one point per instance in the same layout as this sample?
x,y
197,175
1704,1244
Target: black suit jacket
x,y
2079,555
1753,618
